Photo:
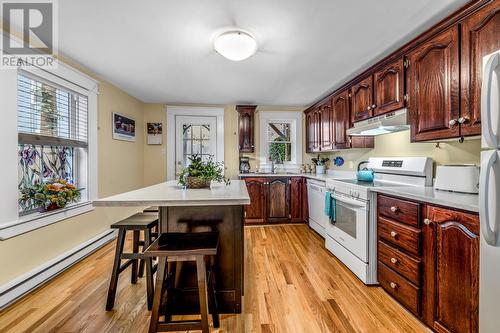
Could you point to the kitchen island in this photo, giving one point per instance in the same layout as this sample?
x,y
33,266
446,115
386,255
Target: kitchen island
x,y
219,208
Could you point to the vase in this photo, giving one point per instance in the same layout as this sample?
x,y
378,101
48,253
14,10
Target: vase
x,y
195,182
49,208
320,169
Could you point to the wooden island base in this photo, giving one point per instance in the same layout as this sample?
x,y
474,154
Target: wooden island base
x,y
228,221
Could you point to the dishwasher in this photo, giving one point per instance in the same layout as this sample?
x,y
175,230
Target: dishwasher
x,y
316,199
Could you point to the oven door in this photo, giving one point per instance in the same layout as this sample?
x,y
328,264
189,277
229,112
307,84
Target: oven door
x,y
350,228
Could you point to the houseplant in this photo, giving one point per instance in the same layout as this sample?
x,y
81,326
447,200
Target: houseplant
x,y
320,163
277,150
200,174
51,195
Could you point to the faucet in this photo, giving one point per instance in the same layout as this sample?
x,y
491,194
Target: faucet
x,y
273,167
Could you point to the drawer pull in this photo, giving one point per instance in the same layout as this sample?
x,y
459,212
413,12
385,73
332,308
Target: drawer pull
x,y
394,234
394,260
427,221
394,209
393,285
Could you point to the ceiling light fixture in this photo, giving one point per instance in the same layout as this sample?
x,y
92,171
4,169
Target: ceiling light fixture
x,y
235,45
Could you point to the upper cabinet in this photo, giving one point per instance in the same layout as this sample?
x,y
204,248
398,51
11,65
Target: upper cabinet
x,y
246,127
362,100
433,87
340,110
480,37
389,88
313,128
327,130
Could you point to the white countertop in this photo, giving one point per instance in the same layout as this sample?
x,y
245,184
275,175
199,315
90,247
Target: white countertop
x,y
323,177
170,194
463,201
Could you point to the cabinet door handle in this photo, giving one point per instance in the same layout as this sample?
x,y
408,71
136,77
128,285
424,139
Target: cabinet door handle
x,y
369,108
394,234
463,120
394,260
394,209
452,122
427,222
374,106
393,285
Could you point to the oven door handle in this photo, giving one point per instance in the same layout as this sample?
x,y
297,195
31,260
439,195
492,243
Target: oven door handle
x,y
351,202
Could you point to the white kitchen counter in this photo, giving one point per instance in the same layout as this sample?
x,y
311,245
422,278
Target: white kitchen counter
x,y
169,194
323,177
463,201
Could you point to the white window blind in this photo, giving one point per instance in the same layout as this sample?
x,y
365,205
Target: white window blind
x,y
49,114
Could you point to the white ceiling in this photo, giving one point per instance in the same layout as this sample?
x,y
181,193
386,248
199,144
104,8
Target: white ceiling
x,y
161,50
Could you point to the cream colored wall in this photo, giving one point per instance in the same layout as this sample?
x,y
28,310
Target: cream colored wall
x,y
155,162
120,168
398,144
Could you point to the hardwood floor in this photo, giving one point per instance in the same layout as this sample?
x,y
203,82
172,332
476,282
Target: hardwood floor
x,y
292,284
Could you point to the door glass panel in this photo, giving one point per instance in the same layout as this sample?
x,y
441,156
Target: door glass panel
x,y
196,141
346,219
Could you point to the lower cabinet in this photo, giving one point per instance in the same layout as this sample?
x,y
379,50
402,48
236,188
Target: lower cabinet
x,y
432,266
276,199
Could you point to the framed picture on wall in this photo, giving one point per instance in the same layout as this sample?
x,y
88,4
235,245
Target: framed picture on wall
x,y
155,131
123,127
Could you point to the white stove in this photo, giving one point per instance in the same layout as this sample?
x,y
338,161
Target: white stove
x,y
352,237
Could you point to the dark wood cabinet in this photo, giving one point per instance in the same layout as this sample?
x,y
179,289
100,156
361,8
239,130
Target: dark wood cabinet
x,y
276,199
428,259
257,190
433,87
296,185
313,131
340,111
246,128
389,88
327,142
362,142
480,37
451,270
362,99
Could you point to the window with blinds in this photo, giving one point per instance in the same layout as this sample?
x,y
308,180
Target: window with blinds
x,y
52,131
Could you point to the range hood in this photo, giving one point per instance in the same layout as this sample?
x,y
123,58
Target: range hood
x,y
391,122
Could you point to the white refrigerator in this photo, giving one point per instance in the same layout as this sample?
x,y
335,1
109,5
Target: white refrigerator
x,y
489,197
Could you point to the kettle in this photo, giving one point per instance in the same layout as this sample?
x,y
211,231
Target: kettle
x,y
365,174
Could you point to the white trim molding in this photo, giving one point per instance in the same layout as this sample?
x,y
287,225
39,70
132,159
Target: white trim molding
x,y
17,288
295,120
196,111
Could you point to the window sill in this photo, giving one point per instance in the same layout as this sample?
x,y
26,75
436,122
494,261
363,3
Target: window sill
x,y
39,220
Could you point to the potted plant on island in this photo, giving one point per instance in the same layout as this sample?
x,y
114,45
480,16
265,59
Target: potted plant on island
x,y
50,195
320,163
200,174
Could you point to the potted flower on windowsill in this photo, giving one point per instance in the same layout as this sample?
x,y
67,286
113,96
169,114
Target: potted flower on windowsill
x,y
200,174
320,163
51,195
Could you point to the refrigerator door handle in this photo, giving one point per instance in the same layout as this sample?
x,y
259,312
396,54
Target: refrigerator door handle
x,y
486,95
489,234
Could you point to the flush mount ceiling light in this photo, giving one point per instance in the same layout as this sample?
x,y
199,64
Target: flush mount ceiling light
x,y
235,45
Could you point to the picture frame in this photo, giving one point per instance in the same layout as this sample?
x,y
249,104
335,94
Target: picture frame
x,y
123,127
155,131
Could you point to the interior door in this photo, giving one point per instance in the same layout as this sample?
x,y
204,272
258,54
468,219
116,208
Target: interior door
x,y
433,78
194,136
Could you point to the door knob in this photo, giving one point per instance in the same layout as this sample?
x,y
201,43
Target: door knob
x,y
427,221
394,234
393,285
394,209
394,260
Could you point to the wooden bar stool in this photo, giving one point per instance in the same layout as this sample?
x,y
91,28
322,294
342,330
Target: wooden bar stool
x,y
154,235
136,223
181,247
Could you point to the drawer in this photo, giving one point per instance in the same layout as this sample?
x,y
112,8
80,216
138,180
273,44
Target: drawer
x,y
406,237
399,288
399,210
402,263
